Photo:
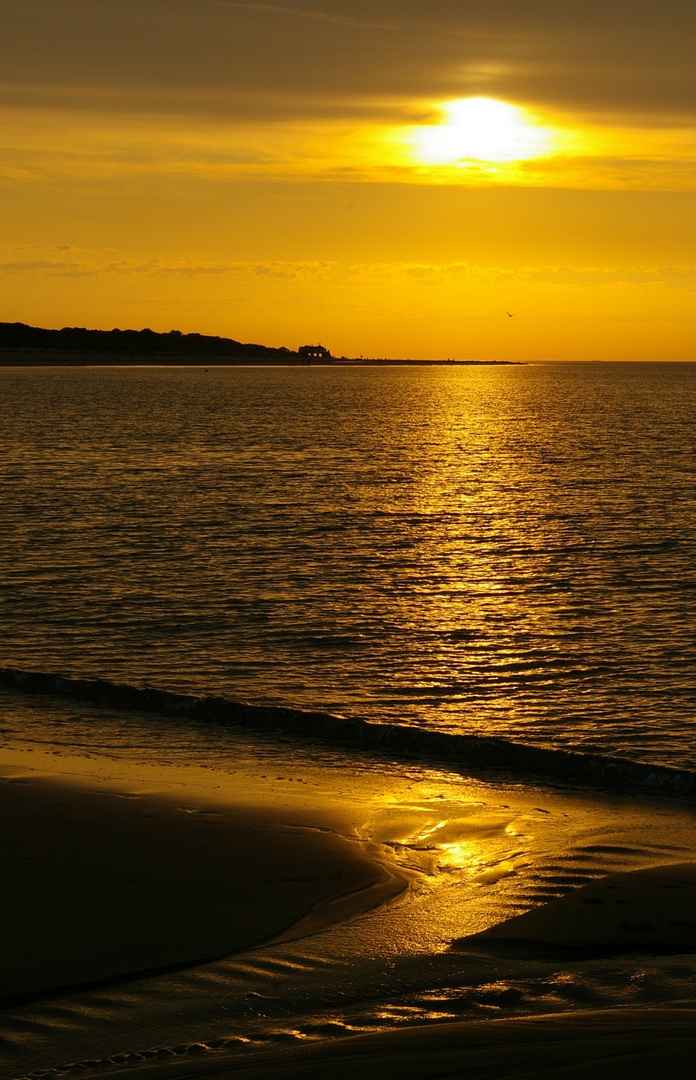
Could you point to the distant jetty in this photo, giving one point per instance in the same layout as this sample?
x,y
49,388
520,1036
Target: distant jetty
x,y
74,346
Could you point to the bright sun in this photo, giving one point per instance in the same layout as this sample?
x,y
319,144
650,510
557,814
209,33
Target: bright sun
x,y
480,129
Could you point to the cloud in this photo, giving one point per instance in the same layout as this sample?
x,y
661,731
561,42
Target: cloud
x,y
406,276
249,60
46,266
470,274
248,271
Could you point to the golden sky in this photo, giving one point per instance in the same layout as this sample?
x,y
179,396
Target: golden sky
x,y
388,177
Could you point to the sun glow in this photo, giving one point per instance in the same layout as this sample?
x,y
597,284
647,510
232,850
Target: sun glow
x,y
480,129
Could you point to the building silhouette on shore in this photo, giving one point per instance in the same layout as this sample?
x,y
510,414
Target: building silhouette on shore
x,y
313,352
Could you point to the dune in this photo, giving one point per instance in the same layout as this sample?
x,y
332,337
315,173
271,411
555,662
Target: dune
x,y
603,1045
651,910
104,884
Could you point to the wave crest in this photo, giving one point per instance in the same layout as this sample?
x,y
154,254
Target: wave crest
x,y
428,746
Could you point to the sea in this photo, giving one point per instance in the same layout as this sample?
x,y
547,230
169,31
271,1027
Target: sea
x,y
486,566
500,551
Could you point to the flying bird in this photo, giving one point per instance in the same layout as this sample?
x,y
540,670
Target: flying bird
x,y
509,314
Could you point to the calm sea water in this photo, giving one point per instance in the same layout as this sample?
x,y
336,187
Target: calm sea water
x,y
507,551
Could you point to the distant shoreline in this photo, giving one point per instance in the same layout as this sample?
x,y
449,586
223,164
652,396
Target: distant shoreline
x,y
64,358
75,346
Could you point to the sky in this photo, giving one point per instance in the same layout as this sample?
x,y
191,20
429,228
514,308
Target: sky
x,y
386,177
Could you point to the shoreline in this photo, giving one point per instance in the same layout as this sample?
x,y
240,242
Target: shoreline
x,y
478,754
122,361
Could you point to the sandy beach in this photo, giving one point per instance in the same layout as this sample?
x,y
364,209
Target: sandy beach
x,y
114,879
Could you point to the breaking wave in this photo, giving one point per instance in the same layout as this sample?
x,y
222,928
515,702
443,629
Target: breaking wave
x,y
427,746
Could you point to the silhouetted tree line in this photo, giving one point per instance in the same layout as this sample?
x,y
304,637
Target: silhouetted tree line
x,y
136,342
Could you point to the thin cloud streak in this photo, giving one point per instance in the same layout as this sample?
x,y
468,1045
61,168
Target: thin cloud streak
x,y
301,13
249,271
425,274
